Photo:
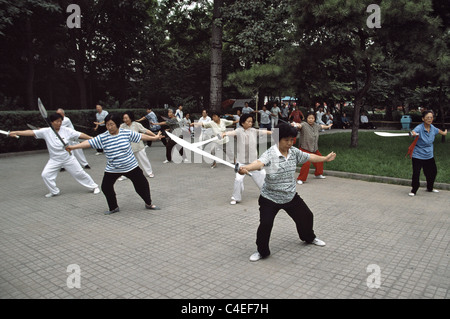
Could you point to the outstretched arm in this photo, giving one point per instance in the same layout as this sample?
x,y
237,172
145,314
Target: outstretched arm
x,y
313,158
84,144
443,132
22,133
254,166
155,137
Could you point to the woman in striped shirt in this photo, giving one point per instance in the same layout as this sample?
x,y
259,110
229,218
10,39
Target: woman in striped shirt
x,y
116,143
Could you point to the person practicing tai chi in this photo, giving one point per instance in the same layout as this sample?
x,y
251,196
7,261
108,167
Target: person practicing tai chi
x,y
116,143
279,192
422,154
219,126
59,158
309,143
247,152
138,148
78,153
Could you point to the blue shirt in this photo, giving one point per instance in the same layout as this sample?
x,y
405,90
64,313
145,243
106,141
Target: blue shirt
x,y
117,150
151,117
424,146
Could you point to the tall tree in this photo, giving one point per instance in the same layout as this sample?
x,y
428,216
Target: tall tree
x,y
216,57
340,32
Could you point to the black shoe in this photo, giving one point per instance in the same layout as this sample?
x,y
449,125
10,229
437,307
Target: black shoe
x,y
62,169
109,212
87,167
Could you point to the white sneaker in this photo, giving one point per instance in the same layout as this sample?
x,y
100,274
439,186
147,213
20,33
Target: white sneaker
x,y
166,161
52,195
299,182
96,191
98,153
320,177
411,194
255,257
318,242
186,160
151,175
435,191
233,201
122,178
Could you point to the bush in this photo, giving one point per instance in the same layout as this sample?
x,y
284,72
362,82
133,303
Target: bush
x,y
81,119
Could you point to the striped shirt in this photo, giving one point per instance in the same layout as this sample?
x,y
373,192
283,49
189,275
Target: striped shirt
x,y
117,149
279,185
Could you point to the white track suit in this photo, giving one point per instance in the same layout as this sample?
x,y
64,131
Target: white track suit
x,y
247,141
139,148
60,158
79,154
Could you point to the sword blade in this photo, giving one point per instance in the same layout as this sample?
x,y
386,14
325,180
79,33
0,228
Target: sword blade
x,y
198,144
195,149
387,134
6,133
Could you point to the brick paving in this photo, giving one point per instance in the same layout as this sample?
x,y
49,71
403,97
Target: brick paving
x,y
198,245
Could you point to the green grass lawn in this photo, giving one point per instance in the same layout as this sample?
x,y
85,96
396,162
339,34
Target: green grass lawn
x,y
381,156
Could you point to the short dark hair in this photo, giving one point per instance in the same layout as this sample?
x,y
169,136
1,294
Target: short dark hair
x,y
425,113
130,115
244,118
55,116
115,117
216,113
284,130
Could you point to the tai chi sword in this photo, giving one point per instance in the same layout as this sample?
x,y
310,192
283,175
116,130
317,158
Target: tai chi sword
x,y
7,133
47,120
387,134
197,150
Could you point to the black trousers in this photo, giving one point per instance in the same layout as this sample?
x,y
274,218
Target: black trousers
x,y
296,209
429,169
169,146
138,179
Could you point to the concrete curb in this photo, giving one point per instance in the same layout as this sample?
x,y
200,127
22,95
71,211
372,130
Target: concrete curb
x,y
382,179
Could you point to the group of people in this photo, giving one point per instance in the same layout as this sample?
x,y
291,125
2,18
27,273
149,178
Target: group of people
x,y
121,141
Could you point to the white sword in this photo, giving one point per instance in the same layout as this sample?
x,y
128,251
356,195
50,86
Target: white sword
x,y
387,134
7,133
198,144
197,150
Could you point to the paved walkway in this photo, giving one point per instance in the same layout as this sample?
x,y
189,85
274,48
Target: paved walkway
x,y
198,245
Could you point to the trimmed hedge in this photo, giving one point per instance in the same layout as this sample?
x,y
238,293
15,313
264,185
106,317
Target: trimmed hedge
x,y
81,119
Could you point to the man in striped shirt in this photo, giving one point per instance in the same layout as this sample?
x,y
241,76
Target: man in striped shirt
x,y
279,192
116,143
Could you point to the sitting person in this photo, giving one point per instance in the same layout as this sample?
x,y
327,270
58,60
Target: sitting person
x,y
345,121
364,122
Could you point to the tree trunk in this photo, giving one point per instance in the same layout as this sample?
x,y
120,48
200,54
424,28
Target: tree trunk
x,y
79,58
359,99
30,98
215,99
441,110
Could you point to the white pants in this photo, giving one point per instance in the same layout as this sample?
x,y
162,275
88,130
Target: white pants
x,y
74,168
144,162
257,176
274,120
79,154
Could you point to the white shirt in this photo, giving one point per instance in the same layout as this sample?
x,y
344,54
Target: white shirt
x,y
101,117
219,129
179,114
55,147
275,110
66,122
204,120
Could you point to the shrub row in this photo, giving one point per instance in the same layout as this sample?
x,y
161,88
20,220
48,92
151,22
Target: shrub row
x,y
81,119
